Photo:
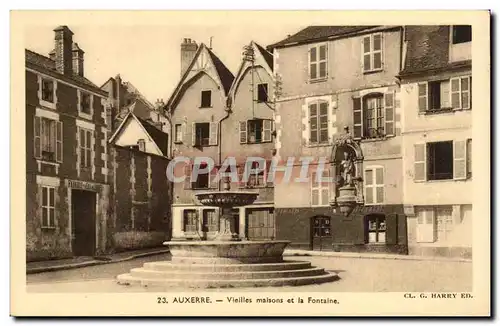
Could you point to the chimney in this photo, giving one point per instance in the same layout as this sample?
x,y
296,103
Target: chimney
x,y
64,44
188,50
77,59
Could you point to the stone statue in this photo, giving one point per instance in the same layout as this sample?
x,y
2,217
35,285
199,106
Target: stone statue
x,y
347,170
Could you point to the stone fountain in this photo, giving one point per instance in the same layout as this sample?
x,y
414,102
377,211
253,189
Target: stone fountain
x,y
226,261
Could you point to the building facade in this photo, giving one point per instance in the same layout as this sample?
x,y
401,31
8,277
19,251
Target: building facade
x,y
437,139
222,117
338,104
67,186
141,192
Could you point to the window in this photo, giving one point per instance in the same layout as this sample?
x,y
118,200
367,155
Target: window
x,y
178,133
203,179
372,52
48,139
318,61
255,178
374,185
206,99
86,147
440,160
48,90
376,228
320,191
445,94
261,93
141,143
444,221
434,223
204,133
190,220
321,226
461,34
318,122
85,103
374,115
48,207
210,221
255,131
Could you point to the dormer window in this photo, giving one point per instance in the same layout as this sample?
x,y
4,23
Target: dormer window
x,y
461,34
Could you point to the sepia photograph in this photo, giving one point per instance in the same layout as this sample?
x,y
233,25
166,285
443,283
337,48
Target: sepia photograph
x,y
242,163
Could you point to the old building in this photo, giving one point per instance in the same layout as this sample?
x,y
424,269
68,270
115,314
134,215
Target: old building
x,y
437,139
339,105
197,107
141,192
248,131
66,155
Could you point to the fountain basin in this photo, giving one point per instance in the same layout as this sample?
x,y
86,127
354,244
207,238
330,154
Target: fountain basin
x,y
227,252
227,198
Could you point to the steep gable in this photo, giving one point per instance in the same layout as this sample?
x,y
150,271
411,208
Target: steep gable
x,y
204,62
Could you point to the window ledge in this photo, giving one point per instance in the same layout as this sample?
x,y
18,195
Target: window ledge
x,y
318,80
257,143
444,180
443,111
48,105
48,162
84,115
377,204
372,71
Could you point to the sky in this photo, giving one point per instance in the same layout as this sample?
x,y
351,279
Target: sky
x,y
148,56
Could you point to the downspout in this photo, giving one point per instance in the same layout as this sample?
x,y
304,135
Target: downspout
x,y
219,136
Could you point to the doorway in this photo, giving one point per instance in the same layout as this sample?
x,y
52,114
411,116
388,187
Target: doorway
x,y
260,223
321,233
83,222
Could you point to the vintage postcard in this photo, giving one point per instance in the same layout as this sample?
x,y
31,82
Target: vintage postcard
x,y
250,163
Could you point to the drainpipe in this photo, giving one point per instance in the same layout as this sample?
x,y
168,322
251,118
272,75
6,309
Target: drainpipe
x,y
219,136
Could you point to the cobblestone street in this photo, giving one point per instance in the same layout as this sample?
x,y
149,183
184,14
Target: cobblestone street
x,y
356,275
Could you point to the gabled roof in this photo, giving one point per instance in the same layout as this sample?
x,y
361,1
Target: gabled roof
x,y
427,50
157,136
318,33
40,61
224,76
262,58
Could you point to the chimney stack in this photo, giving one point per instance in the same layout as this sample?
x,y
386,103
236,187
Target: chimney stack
x,y
63,50
188,50
77,59
52,55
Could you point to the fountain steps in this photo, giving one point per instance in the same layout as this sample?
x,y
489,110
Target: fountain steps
x,y
226,260
127,279
152,274
285,265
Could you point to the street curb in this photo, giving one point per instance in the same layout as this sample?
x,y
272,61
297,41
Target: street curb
x,y
297,253
93,262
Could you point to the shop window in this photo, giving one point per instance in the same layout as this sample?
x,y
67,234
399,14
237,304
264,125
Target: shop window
x,y
376,229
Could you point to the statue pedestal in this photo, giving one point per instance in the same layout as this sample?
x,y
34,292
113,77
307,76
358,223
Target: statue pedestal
x,y
346,199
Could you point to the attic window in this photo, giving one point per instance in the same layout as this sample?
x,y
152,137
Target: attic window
x,y
206,99
462,34
261,93
141,143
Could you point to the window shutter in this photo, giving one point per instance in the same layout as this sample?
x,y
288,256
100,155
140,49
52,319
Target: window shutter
x,y
459,166
464,90
422,97
365,53
455,93
313,63
445,94
419,163
266,133
313,123
214,126
243,132
357,117
193,134
38,137
187,173
241,170
59,139
389,114
391,227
